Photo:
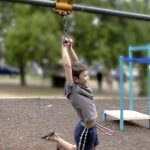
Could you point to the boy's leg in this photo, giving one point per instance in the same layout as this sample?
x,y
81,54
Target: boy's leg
x,y
62,144
95,148
61,148
86,137
96,142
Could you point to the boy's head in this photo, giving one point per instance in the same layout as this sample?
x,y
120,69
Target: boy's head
x,y
80,74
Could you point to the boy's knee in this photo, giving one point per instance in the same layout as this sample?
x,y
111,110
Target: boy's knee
x,y
74,147
95,148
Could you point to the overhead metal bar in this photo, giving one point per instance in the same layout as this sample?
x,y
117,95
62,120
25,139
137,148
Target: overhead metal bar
x,y
45,3
88,9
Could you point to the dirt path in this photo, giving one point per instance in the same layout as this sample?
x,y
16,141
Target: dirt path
x,y
24,121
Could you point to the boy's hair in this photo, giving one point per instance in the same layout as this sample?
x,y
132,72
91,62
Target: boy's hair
x,y
77,69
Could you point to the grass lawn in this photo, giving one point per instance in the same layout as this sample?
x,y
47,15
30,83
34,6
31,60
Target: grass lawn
x,y
40,87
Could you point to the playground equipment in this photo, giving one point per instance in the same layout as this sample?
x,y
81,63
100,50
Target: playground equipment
x,y
130,114
63,7
83,8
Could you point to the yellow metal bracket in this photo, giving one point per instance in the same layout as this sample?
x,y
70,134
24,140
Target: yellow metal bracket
x,y
63,7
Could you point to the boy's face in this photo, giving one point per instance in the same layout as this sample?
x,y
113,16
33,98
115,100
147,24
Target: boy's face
x,y
83,78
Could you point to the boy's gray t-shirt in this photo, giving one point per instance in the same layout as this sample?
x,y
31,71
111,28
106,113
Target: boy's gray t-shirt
x,y
82,100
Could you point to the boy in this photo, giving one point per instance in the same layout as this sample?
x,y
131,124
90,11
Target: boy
x,y
81,97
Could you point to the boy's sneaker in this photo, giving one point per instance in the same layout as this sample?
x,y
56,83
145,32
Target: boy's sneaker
x,y
47,136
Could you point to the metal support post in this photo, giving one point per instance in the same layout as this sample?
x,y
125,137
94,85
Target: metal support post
x,y
121,96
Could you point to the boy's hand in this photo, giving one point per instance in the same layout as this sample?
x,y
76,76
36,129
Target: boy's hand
x,y
65,42
71,42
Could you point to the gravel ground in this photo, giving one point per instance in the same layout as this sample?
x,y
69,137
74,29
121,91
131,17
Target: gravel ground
x,y
24,121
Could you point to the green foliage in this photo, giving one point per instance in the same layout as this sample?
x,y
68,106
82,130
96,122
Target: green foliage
x,y
34,33
34,36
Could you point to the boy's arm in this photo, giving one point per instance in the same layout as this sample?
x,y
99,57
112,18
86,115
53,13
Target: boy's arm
x,y
72,53
66,63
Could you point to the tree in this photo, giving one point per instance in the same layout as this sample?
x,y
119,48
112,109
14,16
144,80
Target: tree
x,y
111,37
97,36
31,38
5,19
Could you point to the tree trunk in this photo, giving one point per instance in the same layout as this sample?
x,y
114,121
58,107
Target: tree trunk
x,y
22,75
147,3
143,81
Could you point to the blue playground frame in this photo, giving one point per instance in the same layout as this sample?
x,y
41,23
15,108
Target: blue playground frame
x,y
130,60
130,53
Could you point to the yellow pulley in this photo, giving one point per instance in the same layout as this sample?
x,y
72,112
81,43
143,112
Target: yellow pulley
x,y
63,7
